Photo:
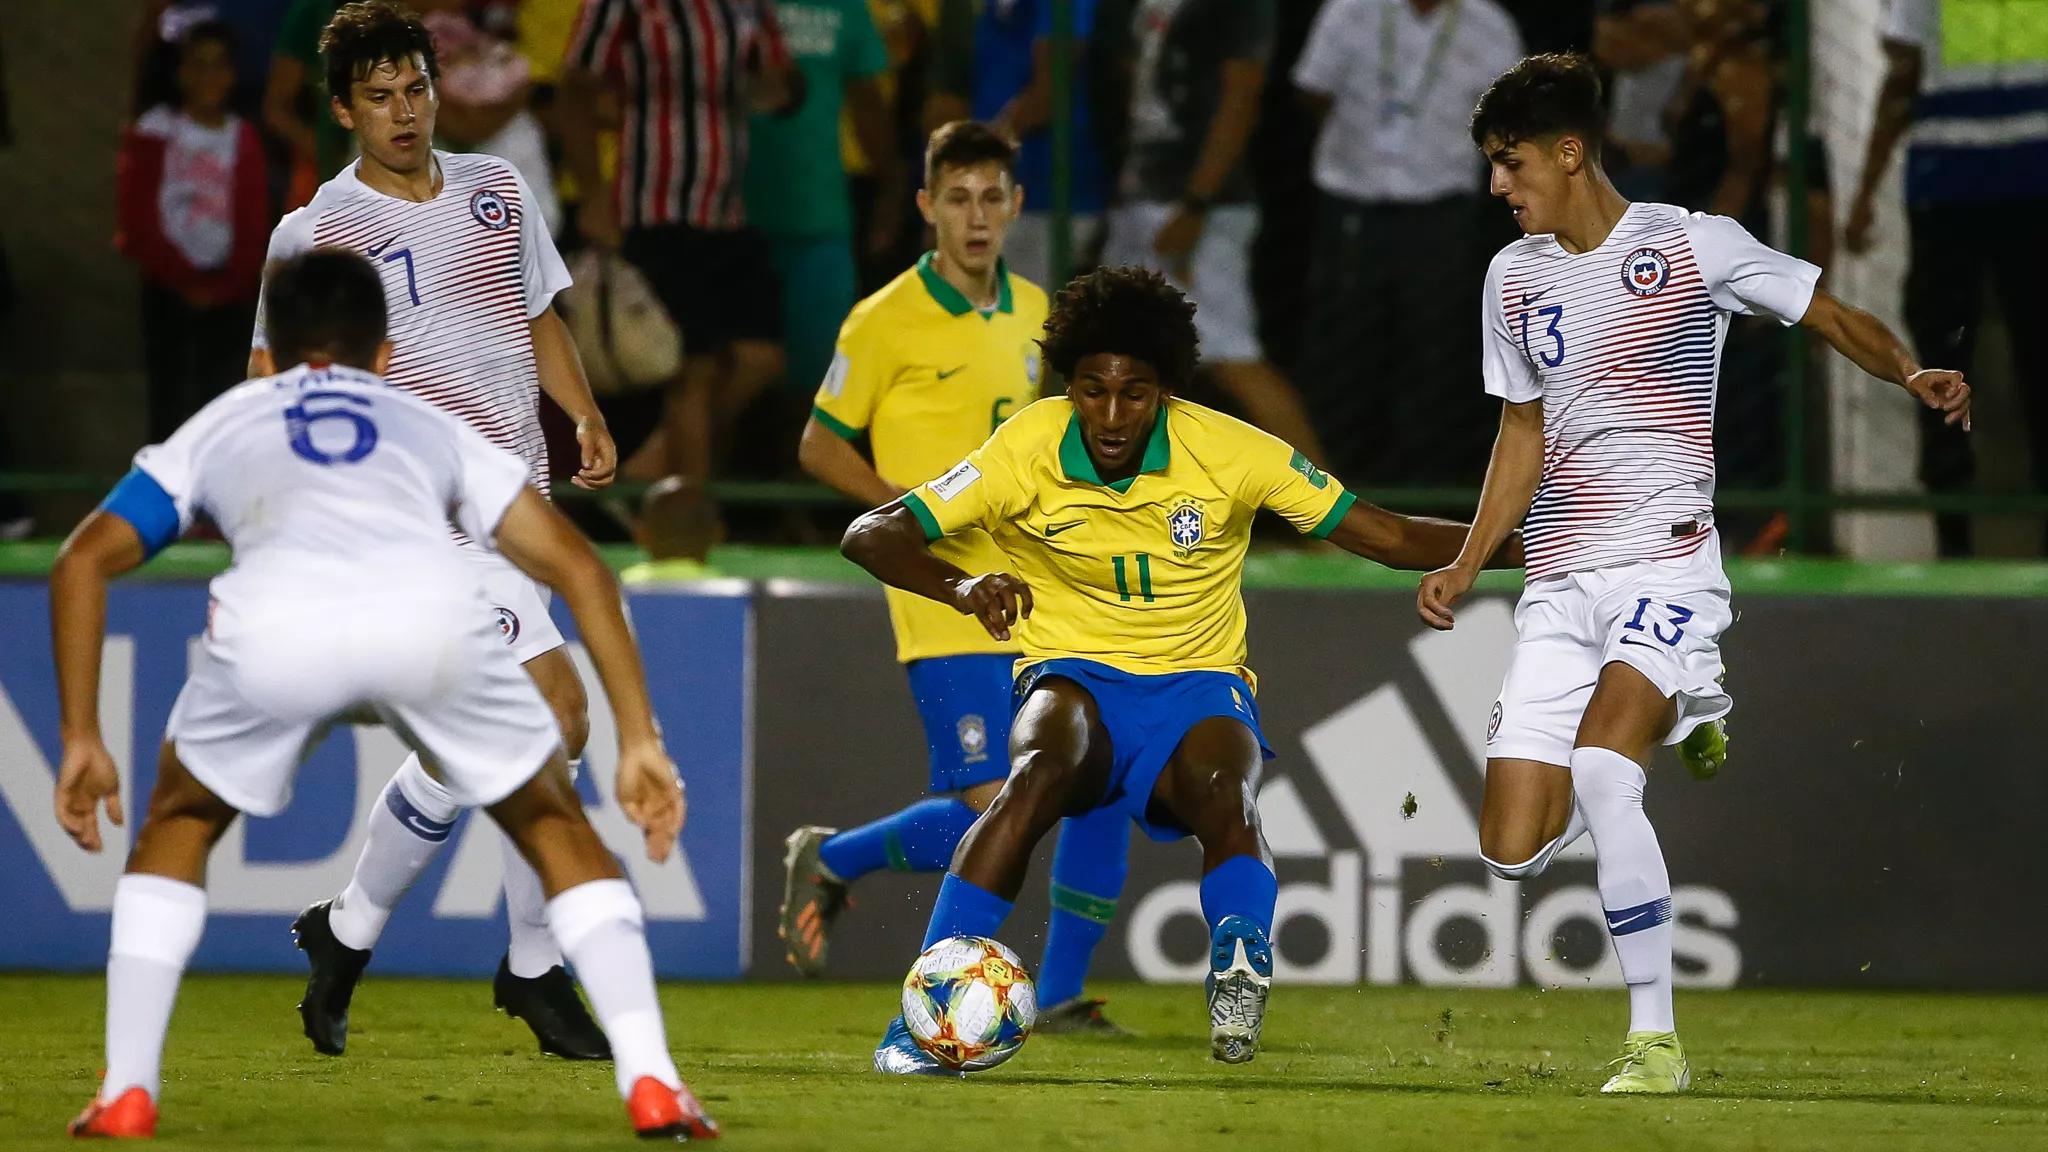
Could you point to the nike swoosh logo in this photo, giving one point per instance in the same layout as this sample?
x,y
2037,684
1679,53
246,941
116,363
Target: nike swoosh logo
x,y
373,253
1639,643
945,372
1052,530
1618,925
426,829
1529,298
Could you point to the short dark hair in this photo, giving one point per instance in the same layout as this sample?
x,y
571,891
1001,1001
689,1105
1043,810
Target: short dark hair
x,y
963,144
1127,311
1551,95
328,302
209,31
364,35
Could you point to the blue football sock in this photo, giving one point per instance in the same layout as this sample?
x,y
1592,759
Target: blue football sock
x,y
1088,872
964,909
1240,886
921,838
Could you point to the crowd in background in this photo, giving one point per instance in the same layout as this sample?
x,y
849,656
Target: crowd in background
x,y
1303,168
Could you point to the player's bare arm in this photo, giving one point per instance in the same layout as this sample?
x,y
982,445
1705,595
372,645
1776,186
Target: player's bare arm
x,y
102,547
561,377
1875,348
830,460
890,544
544,545
1412,543
1511,478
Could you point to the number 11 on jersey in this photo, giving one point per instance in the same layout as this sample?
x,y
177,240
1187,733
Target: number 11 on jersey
x,y
1123,580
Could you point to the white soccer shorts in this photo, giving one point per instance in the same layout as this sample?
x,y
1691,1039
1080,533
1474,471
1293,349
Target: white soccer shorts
x,y
518,606
268,681
1662,618
1219,278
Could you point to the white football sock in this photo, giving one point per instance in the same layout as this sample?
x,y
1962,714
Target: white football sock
x,y
408,824
598,925
1634,887
532,950
157,924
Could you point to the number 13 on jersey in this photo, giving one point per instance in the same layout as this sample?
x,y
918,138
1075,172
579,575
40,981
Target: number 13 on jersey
x,y
1554,355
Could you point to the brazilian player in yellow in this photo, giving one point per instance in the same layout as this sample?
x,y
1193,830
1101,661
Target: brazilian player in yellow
x,y
1124,515
925,369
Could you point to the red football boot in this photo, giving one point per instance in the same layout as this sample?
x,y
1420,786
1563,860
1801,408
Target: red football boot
x,y
129,1116
659,1112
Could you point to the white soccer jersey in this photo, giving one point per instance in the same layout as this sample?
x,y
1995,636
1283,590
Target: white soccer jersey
x,y
327,480
465,274
1623,346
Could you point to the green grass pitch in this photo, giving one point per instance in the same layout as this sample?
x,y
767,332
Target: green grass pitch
x,y
430,1067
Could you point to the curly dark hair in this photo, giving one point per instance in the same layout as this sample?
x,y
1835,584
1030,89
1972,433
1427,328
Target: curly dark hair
x,y
364,35
1555,94
1126,311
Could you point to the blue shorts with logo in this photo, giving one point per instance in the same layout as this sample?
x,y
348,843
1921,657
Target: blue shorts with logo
x,y
964,702
1146,718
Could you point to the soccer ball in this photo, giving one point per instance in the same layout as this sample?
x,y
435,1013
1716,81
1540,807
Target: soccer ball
x,y
969,1003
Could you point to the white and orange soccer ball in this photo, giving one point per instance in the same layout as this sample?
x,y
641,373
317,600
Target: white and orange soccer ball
x,y
969,1003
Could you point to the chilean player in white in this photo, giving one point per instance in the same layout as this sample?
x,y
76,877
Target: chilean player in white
x,y
1603,330
469,275
348,601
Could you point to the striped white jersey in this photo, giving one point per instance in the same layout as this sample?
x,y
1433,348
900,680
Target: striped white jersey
x,y
1622,345
465,274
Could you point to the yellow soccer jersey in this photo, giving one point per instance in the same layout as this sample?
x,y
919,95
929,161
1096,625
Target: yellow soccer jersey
x,y
927,377
1145,574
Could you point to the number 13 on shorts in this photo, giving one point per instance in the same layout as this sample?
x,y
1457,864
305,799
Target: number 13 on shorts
x,y
1670,631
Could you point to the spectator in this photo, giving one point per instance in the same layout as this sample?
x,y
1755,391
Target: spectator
x,y
1643,43
796,178
295,101
485,87
1722,124
1190,90
1722,113
906,29
1010,85
1389,340
163,24
687,76
1976,204
194,215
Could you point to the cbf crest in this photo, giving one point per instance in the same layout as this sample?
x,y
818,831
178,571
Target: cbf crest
x,y
1185,527
973,733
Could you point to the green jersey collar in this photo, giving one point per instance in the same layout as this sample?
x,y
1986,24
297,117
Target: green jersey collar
x,y
951,298
1078,465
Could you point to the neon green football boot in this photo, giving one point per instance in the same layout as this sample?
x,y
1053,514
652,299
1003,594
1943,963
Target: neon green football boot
x,y
1651,1064
1705,750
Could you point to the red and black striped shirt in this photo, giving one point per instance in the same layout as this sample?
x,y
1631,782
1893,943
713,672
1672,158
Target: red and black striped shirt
x,y
682,65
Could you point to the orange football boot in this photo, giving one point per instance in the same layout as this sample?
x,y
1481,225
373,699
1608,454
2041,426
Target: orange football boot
x,y
129,1116
659,1112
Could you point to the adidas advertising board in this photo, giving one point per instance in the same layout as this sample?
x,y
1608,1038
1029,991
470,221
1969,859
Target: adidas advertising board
x,y
1867,830
265,871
